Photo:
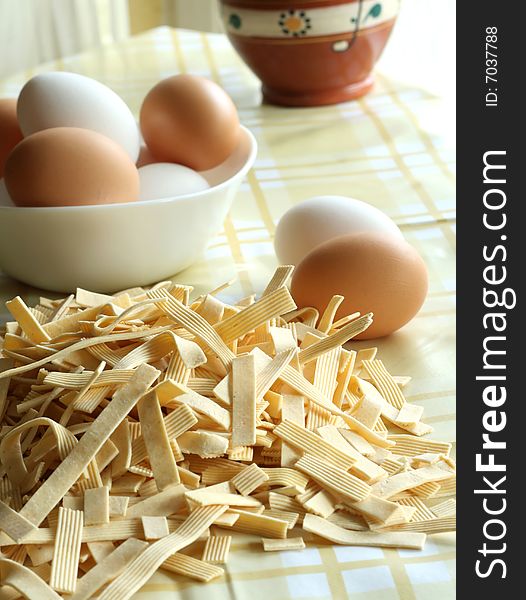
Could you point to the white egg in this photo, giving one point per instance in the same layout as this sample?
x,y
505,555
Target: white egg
x,y
60,99
167,180
321,218
5,199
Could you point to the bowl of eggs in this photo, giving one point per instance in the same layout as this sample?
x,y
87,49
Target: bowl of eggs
x,y
89,198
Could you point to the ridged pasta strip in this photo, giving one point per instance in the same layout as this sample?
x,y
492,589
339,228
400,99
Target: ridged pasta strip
x,y
25,581
338,535
268,307
217,549
58,483
410,479
270,545
67,551
409,445
192,567
336,480
279,279
82,344
260,525
309,442
269,374
439,525
286,477
105,571
27,321
142,568
384,381
157,442
178,421
195,324
249,479
422,513
337,339
305,388
448,508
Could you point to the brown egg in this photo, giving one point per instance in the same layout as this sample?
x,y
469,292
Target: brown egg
x,y
10,133
189,120
374,272
68,166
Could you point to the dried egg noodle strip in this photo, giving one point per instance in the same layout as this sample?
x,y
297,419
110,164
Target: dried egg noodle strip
x,y
243,401
309,442
59,482
270,545
178,421
29,325
385,383
105,571
192,567
304,387
25,581
337,339
410,479
67,551
11,452
271,372
249,479
157,443
82,344
447,508
327,318
195,324
338,535
217,549
279,279
143,567
337,480
292,410
268,307
260,525
76,381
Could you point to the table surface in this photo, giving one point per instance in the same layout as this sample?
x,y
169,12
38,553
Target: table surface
x,y
392,149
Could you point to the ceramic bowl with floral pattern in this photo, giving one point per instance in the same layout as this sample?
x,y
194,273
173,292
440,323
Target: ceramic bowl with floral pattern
x,y
310,52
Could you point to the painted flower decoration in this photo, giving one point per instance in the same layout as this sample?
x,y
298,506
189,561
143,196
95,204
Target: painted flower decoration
x,y
294,22
374,12
235,21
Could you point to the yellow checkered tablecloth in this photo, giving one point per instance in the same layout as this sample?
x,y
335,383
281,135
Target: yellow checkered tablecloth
x,y
391,149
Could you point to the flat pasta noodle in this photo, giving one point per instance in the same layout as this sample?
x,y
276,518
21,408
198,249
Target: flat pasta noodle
x,y
217,549
105,571
273,545
249,479
243,401
194,568
338,535
67,550
141,568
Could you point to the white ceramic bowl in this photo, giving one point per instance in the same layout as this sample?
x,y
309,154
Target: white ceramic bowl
x,y
111,247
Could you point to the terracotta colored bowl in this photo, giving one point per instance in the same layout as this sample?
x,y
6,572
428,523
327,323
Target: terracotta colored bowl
x,y
310,52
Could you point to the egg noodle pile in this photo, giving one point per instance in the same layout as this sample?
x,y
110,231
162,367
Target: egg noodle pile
x,y
140,430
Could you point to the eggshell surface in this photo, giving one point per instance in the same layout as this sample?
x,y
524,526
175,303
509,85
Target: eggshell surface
x,y
60,99
321,218
189,120
167,180
68,166
10,133
375,273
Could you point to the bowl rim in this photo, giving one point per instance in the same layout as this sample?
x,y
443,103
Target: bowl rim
x,y
241,172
